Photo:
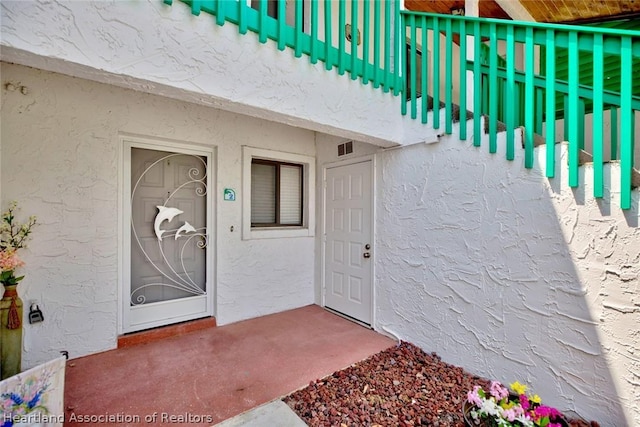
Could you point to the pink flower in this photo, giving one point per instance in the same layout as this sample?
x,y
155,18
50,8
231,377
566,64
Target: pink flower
x,y
547,411
474,397
517,409
9,260
498,391
509,414
524,402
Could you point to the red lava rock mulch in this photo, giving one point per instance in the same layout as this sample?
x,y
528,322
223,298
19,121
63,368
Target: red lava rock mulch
x,y
400,386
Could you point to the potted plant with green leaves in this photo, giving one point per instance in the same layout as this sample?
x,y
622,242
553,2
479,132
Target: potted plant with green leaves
x,y
13,236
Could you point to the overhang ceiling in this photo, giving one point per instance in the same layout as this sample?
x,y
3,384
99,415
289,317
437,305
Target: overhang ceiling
x,y
540,10
579,10
488,8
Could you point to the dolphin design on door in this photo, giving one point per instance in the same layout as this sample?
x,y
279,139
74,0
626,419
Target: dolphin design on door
x,y
167,214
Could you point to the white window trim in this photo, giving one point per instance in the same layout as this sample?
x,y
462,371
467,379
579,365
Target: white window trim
x,y
309,195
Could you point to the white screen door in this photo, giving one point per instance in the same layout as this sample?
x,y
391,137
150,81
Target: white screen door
x,y
168,278
348,263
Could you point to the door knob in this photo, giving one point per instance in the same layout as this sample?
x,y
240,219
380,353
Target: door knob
x,y
367,246
366,255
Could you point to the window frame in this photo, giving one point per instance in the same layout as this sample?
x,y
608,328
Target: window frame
x,y
307,228
278,165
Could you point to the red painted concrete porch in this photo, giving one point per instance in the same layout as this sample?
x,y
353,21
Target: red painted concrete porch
x,y
215,373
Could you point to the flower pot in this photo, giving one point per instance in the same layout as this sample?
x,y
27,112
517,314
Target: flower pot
x,y
10,332
466,408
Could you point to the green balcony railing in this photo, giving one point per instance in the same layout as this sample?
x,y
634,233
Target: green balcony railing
x,y
511,94
354,37
511,65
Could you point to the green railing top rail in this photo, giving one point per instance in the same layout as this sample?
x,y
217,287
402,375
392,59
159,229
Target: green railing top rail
x,y
537,25
612,37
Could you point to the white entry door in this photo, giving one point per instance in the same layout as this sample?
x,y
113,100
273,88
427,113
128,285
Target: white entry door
x,y
348,256
168,277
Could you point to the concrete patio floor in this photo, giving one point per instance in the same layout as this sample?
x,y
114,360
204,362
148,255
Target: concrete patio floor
x,y
204,377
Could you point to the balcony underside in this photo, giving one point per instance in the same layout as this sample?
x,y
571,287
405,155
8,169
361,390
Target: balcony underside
x,y
193,59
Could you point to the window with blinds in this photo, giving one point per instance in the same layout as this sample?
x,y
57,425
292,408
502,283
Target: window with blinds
x,y
276,194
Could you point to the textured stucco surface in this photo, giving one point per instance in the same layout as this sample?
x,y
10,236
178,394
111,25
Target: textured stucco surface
x,y
60,160
494,267
165,50
511,275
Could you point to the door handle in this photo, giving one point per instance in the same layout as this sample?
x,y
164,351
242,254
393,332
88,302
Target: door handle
x,y
366,255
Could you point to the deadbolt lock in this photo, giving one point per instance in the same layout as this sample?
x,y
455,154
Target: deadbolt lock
x,y
367,246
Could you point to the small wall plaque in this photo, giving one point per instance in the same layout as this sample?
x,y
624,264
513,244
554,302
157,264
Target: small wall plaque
x,y
229,195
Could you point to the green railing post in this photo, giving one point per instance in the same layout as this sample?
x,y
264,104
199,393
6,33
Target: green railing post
x,y
485,97
220,12
404,95
571,118
376,44
518,97
387,46
493,89
282,22
262,27
448,74
354,39
299,29
196,6
551,103
436,73
614,132
565,116
315,47
412,74
539,113
366,35
581,119
510,92
463,80
477,86
327,35
242,17
342,17
626,123
399,44
529,101
425,69
598,116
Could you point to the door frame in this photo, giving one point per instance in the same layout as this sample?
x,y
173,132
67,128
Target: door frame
x,y
347,162
127,142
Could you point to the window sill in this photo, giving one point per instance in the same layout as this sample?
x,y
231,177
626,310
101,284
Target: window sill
x,y
279,232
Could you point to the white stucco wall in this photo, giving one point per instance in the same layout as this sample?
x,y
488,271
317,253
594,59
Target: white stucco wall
x,y
60,160
511,275
165,50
